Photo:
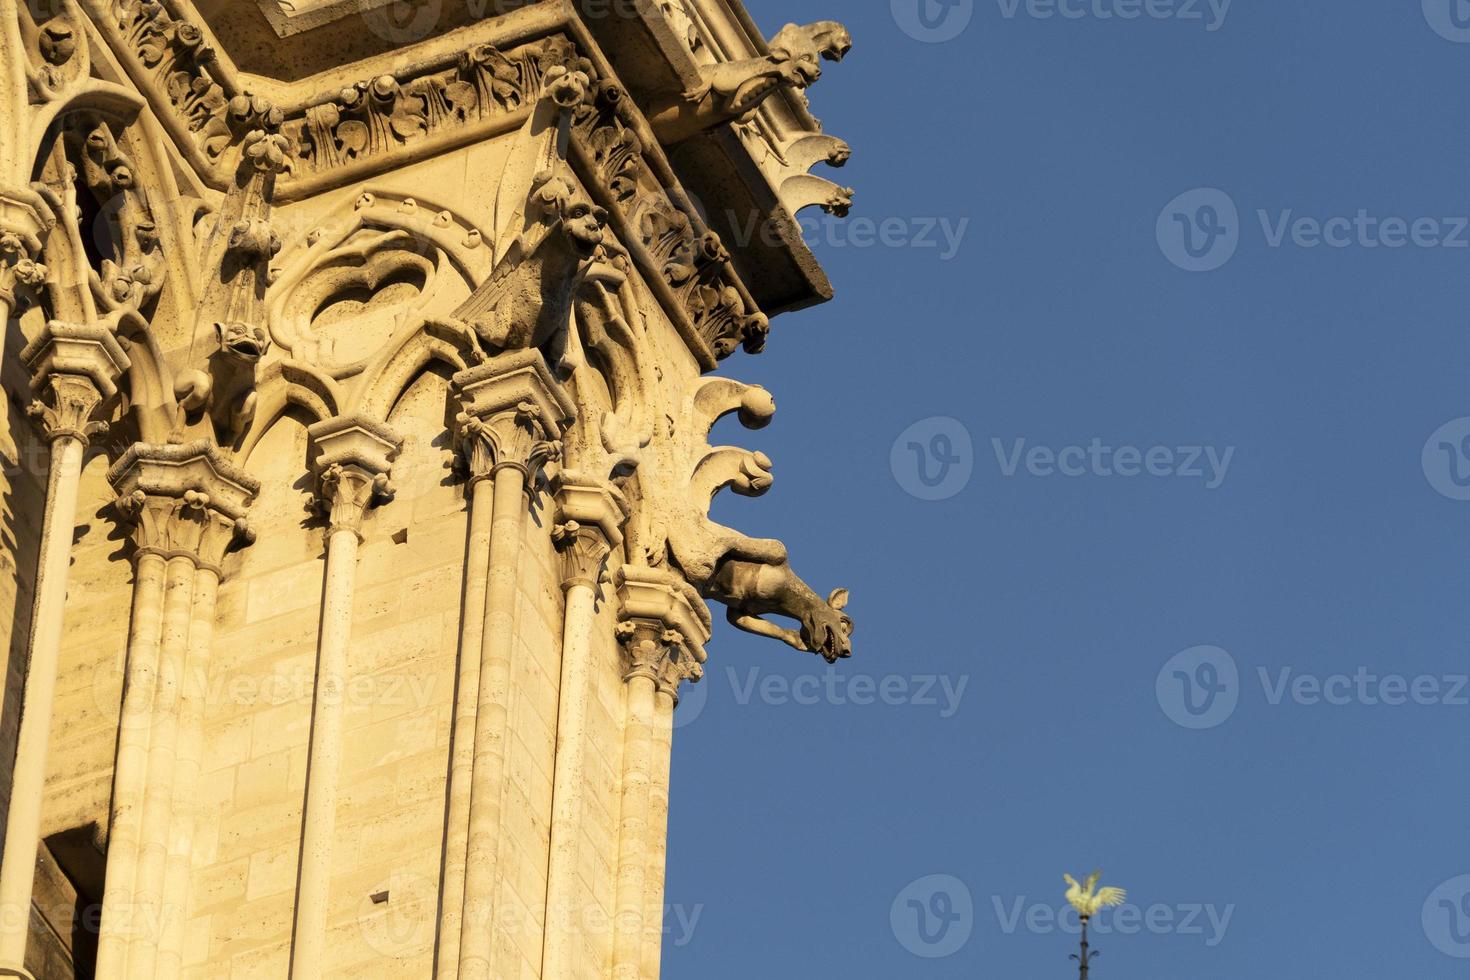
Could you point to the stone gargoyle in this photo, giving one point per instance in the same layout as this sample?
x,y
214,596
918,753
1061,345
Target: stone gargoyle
x,y
527,299
732,90
752,577
548,234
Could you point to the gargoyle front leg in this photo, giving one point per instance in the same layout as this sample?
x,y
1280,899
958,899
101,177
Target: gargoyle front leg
x,y
754,591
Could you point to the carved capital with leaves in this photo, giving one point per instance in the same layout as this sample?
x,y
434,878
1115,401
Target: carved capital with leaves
x,y
74,367
589,516
663,626
354,460
512,415
184,501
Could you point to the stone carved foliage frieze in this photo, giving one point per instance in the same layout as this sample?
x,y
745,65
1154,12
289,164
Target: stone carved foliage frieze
x,y
377,115
175,54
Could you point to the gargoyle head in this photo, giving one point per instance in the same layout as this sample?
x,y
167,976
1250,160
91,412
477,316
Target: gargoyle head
x,y
826,629
581,221
799,49
243,340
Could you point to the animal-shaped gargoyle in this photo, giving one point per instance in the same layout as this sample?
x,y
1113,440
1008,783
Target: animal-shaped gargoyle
x,y
732,90
752,577
547,233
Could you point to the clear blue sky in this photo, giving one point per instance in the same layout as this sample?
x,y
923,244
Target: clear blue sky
x,y
1324,829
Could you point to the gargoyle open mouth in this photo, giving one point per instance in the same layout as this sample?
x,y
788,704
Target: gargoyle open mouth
x,y
247,349
242,341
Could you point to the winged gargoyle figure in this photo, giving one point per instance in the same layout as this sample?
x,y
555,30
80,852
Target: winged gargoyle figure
x,y
1088,899
548,234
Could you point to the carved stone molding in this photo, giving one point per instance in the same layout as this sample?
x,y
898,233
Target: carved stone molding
x,y
513,413
354,460
589,521
663,625
184,501
74,367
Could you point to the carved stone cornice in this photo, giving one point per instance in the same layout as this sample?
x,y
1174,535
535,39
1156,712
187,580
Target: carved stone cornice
x,y
74,367
354,459
452,97
589,520
185,501
663,625
512,415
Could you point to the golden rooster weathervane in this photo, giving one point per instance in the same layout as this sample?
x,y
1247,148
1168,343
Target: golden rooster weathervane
x,y
1089,900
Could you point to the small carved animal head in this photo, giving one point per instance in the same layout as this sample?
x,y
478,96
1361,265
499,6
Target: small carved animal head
x,y
243,340
827,630
582,222
800,47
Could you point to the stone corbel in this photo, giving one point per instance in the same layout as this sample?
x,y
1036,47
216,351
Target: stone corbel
x,y
733,90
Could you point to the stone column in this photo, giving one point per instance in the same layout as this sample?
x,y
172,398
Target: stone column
x,y
663,625
589,516
512,419
187,504
73,368
355,455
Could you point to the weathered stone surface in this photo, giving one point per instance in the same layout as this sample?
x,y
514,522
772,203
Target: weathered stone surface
x,y
373,537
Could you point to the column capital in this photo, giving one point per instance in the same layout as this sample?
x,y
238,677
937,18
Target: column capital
x,y
24,220
512,415
663,625
354,459
185,501
589,525
74,367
